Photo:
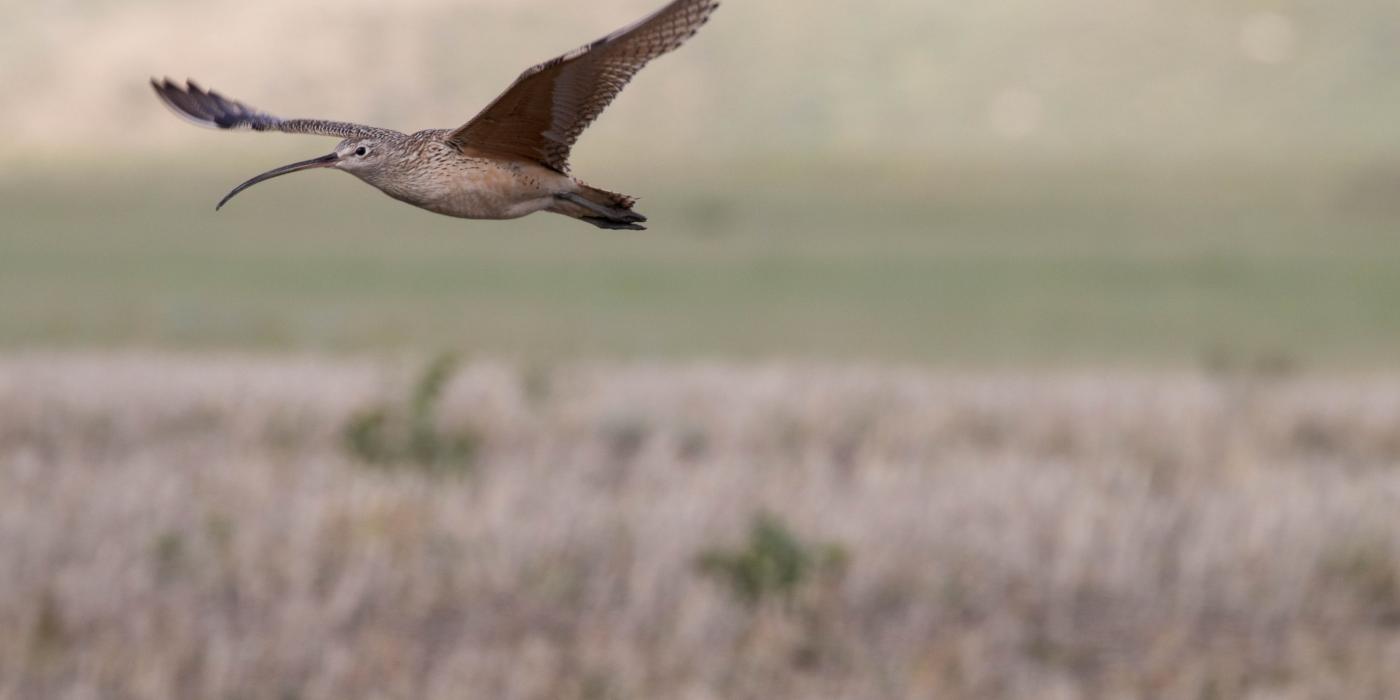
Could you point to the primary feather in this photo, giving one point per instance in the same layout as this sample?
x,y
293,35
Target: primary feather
x,y
542,114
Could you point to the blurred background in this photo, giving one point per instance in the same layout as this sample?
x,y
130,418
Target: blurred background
x,y
1004,183
989,349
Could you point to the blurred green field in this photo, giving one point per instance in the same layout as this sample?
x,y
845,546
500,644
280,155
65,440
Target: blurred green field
x,y
947,263
1007,183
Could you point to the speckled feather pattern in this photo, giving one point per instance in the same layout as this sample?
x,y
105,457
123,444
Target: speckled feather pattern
x,y
423,169
509,161
541,116
209,108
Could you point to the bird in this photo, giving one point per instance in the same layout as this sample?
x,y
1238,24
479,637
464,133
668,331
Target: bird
x,y
510,160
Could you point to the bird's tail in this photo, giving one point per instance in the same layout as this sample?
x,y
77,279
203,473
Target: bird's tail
x,y
601,208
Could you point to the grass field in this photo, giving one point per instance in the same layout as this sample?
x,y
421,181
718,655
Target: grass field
x,y
977,350
1004,184
176,528
947,264
1147,446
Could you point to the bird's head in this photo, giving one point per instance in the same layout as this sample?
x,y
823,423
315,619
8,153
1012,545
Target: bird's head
x,y
358,156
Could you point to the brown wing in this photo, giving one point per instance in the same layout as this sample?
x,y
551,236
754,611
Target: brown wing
x,y
542,114
209,108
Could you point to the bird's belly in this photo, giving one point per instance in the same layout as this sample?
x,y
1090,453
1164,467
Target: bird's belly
x,y
487,191
470,203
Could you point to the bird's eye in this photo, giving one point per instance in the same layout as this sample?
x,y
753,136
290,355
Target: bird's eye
x,y
362,151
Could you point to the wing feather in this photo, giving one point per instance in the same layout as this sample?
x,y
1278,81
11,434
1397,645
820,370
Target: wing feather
x,y
540,117
209,108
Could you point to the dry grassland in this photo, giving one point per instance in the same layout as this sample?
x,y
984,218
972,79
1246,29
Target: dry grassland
x,y
176,527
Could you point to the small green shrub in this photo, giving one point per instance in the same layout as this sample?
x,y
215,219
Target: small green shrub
x,y
1367,566
775,564
366,436
390,435
625,437
537,384
50,635
168,552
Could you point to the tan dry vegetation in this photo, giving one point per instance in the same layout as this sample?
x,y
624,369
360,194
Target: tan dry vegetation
x,y
182,528
908,81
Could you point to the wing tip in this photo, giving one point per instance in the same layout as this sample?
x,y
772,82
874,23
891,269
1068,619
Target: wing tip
x,y
202,106
182,100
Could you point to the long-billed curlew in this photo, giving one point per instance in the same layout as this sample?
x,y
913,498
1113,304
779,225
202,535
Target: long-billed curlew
x,y
511,160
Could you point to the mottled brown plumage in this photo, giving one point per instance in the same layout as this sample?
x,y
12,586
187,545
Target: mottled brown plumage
x,y
510,160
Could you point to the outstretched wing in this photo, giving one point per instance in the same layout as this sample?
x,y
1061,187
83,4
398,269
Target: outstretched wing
x,y
209,108
542,114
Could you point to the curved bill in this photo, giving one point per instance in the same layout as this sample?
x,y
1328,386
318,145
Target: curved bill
x,y
322,162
